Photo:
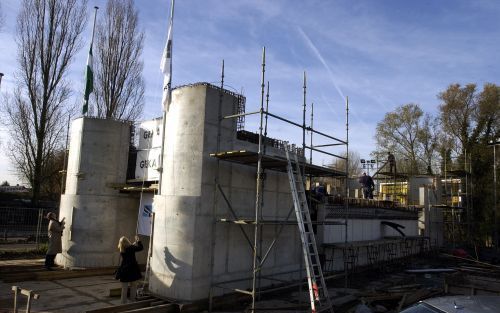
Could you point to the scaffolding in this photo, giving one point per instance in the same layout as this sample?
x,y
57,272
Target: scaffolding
x,y
457,202
393,186
266,162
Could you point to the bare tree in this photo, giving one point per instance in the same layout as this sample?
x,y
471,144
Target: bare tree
x,y
52,186
354,164
119,85
1,17
48,36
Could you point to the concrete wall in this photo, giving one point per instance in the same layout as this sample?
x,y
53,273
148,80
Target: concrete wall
x,y
96,214
362,230
366,229
183,247
431,224
432,194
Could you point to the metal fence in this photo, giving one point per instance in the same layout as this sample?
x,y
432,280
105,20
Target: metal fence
x,y
24,225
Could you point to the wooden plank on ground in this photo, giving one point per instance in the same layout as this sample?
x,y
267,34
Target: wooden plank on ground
x,y
55,275
162,308
123,307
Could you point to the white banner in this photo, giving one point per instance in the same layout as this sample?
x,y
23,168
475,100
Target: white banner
x,y
150,134
145,212
146,166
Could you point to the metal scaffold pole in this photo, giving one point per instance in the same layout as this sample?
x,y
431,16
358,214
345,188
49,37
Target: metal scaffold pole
x,y
216,184
304,123
471,186
264,146
346,180
467,194
258,195
304,87
311,141
261,160
304,161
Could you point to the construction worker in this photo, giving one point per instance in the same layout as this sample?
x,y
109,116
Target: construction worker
x,y
392,162
366,182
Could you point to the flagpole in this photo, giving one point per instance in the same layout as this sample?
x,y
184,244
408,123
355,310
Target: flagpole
x,y
167,90
89,88
93,27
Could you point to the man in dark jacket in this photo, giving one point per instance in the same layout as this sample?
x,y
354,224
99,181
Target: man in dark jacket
x,y
392,162
366,182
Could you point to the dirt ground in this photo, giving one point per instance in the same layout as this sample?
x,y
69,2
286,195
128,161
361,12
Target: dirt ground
x,y
381,288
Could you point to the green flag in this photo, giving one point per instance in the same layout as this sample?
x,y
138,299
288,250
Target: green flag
x,y
89,82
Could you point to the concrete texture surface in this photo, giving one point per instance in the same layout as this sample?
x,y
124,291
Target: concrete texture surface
x,y
183,244
96,214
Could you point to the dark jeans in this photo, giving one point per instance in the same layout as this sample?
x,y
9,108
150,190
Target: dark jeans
x,y
49,260
367,192
392,165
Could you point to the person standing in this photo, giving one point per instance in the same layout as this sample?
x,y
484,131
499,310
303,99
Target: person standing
x,y
55,230
371,186
367,183
128,272
392,162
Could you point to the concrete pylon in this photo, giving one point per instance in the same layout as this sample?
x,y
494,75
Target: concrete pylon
x,y
182,244
96,214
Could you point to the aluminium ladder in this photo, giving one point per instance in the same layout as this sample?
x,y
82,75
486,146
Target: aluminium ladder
x,y
318,293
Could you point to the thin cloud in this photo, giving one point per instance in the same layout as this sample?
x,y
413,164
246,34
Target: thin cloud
x,y
311,45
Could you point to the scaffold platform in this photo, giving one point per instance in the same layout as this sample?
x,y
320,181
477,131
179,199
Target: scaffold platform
x,y
274,163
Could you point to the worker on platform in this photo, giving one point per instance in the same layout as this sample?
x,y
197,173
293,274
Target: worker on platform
x,y
368,185
55,230
392,162
319,192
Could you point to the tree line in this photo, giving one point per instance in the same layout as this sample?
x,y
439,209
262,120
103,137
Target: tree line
x,y
457,137
49,33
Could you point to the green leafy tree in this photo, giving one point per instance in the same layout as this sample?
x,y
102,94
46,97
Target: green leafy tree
x,y
469,120
399,133
428,140
458,115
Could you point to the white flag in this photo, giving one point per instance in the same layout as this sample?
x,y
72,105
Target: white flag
x,y
166,62
166,58
145,213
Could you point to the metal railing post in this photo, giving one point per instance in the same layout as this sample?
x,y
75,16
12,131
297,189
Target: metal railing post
x,y
38,228
15,289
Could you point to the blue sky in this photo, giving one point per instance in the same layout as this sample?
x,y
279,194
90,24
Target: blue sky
x,y
381,54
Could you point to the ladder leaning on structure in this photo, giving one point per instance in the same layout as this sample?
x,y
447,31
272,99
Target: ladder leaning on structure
x,y
318,293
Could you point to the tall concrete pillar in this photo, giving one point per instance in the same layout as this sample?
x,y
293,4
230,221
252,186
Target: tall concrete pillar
x,y
96,213
182,242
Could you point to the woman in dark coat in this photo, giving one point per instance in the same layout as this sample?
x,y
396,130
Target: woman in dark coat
x,y
129,272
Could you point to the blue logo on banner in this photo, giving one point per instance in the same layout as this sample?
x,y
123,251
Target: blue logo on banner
x,y
147,210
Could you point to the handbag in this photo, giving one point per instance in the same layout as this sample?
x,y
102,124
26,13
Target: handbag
x,y
118,271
